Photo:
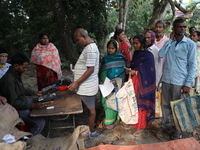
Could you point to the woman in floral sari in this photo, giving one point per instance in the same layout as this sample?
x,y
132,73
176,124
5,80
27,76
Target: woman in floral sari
x,y
144,80
47,60
112,66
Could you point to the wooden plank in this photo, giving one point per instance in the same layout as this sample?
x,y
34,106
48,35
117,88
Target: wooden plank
x,y
66,103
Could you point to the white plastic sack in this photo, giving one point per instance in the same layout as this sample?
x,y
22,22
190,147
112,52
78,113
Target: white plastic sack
x,y
127,103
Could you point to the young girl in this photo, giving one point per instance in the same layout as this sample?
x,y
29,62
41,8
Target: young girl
x,y
143,77
195,36
112,66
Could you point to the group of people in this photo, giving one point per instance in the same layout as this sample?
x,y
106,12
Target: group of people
x,y
157,60
48,67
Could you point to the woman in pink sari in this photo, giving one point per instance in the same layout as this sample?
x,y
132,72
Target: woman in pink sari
x,y
47,60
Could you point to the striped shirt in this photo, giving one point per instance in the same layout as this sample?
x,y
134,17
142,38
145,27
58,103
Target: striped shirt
x,y
88,58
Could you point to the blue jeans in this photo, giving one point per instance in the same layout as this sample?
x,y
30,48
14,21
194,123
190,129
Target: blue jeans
x,y
37,122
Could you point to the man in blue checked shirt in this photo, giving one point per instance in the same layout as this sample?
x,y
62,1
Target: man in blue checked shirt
x,y
179,71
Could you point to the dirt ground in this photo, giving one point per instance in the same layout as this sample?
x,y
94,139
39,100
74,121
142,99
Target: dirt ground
x,y
119,135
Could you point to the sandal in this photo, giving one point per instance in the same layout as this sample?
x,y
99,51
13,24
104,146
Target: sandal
x,y
95,134
109,127
128,127
116,122
104,143
138,133
161,130
99,143
169,131
108,143
92,134
176,135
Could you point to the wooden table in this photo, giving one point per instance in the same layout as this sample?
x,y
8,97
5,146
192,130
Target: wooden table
x,y
66,103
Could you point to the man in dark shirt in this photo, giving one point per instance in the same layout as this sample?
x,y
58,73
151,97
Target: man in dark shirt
x,y
12,88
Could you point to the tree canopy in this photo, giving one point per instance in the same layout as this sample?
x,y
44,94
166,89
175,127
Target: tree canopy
x,y
22,21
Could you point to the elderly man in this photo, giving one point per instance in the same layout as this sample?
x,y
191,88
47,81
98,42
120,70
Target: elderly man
x,y
159,42
150,40
4,66
86,75
179,71
13,89
159,31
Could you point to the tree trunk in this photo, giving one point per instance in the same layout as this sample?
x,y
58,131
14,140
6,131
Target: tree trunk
x,y
159,10
123,13
65,32
105,44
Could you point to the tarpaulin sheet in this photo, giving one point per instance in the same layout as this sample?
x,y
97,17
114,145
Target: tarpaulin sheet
x,y
182,144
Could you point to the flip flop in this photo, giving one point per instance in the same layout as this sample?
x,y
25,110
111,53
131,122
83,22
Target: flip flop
x,y
108,143
176,135
95,134
104,143
109,127
128,127
99,143
138,133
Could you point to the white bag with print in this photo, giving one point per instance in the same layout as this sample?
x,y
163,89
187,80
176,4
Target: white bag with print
x,y
127,103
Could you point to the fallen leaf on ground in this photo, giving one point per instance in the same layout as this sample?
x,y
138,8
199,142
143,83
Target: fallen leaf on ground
x,y
130,141
117,134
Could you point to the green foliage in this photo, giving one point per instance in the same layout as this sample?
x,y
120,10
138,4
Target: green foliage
x,y
11,24
195,20
65,63
88,14
23,20
139,13
113,16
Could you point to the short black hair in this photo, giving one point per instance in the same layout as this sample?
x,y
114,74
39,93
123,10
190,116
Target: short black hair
x,y
19,59
2,50
42,34
161,22
178,20
141,38
190,28
118,32
198,33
